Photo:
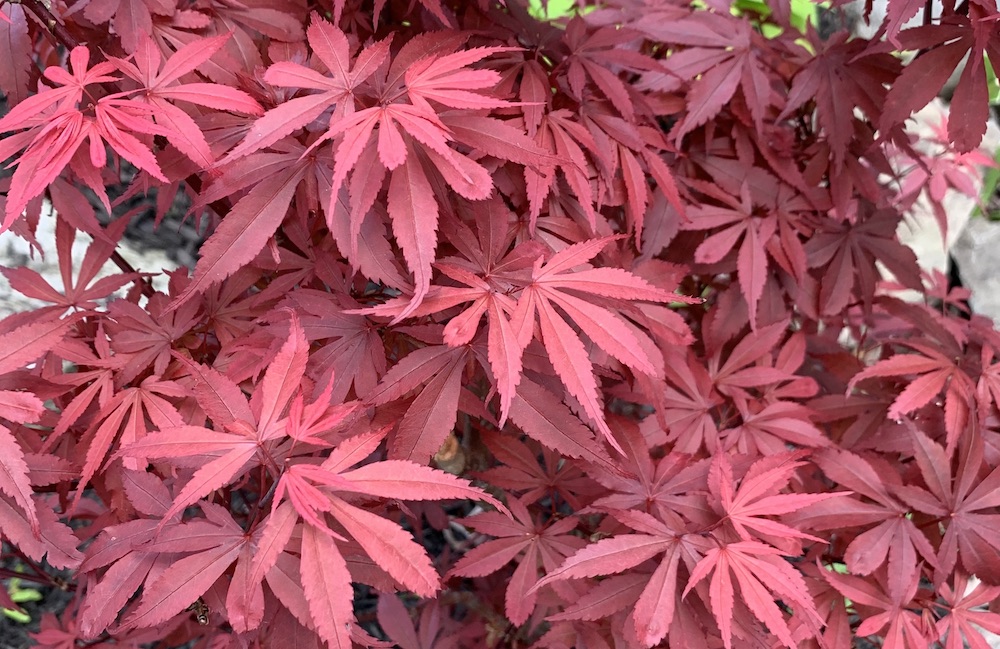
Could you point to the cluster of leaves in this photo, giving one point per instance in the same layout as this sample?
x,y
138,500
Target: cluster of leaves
x,y
694,416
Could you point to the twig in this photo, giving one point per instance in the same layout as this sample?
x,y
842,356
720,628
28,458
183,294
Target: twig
x,y
52,25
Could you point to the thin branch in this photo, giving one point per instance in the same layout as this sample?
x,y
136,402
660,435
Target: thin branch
x,y
55,29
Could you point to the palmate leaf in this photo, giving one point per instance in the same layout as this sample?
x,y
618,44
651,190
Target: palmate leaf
x,y
245,230
330,45
53,540
758,572
540,542
315,492
894,538
653,614
160,88
21,346
554,285
431,415
844,74
757,497
229,454
14,481
905,628
956,498
946,44
967,619
58,127
182,583
934,372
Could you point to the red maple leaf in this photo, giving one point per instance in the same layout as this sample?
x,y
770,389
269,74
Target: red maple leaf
x,y
759,571
552,284
746,507
159,88
654,611
966,618
960,501
255,429
532,542
907,629
944,45
721,59
317,491
934,370
57,127
131,19
894,537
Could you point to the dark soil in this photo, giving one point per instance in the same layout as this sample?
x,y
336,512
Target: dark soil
x,y
13,634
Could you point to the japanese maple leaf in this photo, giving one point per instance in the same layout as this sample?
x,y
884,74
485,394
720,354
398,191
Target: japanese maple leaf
x,y
52,540
489,273
945,44
67,633
533,543
15,48
848,252
537,471
174,567
759,571
571,142
159,88
654,611
593,55
353,353
144,337
988,387
672,485
553,284
413,146
544,417
57,128
722,59
739,221
403,129
844,74
316,492
434,7
962,501
432,414
332,49
749,364
124,417
630,155
275,20
894,537
254,428
941,170
434,630
21,346
769,429
83,291
273,179
935,370
757,497
906,629
966,613
688,403
14,482
210,547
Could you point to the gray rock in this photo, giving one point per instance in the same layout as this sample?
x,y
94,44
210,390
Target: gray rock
x,y
977,254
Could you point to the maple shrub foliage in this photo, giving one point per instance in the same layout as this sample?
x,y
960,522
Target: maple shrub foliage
x,y
583,332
